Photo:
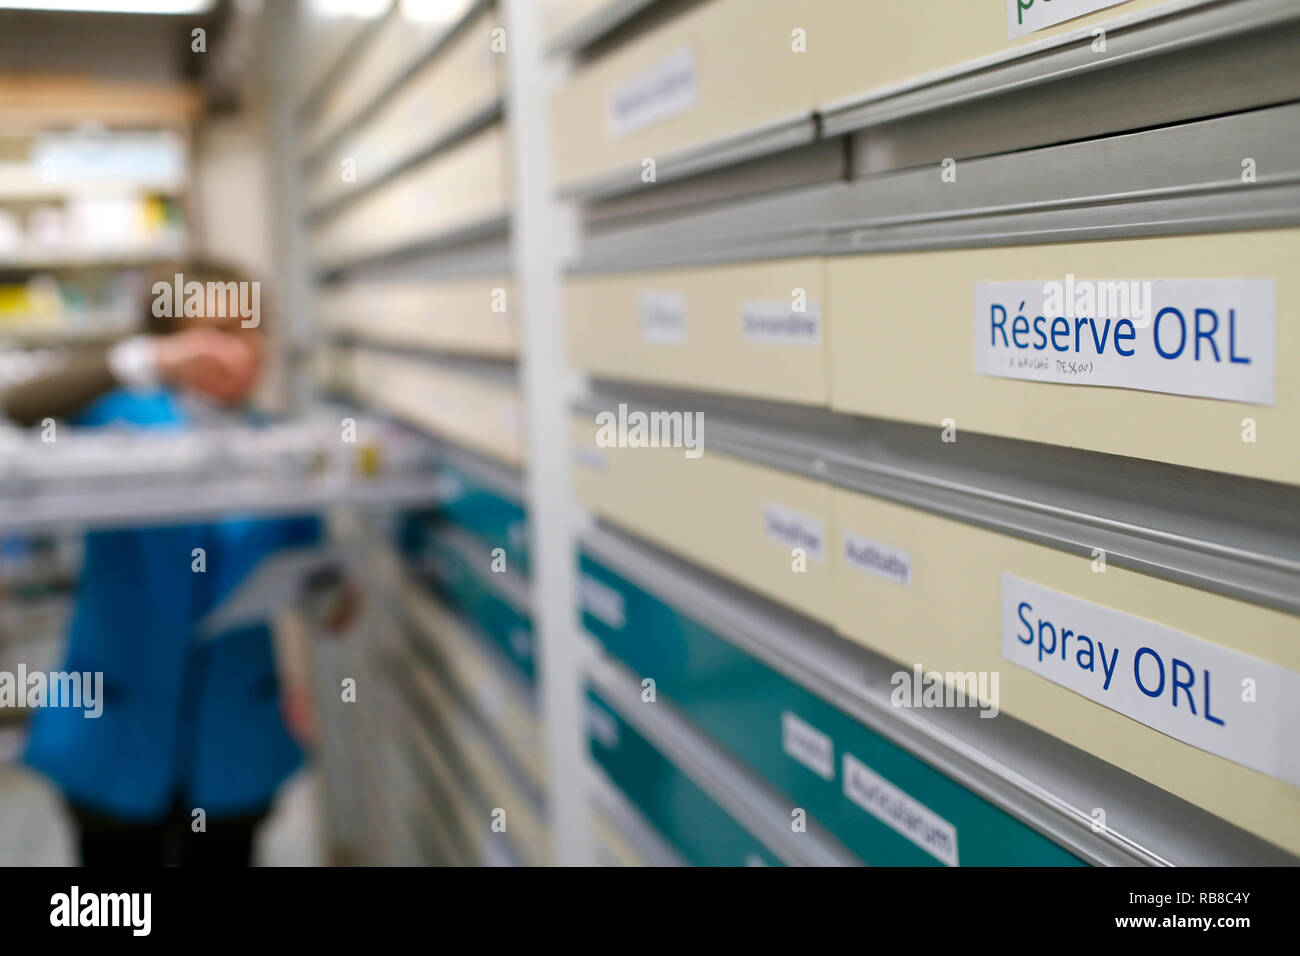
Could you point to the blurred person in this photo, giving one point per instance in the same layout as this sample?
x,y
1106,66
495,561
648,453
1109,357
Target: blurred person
x,y
188,723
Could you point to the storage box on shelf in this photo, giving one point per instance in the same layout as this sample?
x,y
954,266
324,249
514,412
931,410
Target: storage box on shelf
x,y
1146,674
469,316
463,187
390,48
480,412
718,71
461,83
1204,371
754,329
763,527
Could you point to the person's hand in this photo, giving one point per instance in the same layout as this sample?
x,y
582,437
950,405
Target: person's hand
x,y
217,364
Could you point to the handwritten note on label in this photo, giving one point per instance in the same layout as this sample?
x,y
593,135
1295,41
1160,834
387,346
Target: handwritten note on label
x,y
1211,338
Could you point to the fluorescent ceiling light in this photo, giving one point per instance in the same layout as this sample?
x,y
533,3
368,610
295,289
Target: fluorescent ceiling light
x,y
111,6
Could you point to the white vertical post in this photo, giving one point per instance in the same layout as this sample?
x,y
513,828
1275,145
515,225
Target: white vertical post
x,y
535,255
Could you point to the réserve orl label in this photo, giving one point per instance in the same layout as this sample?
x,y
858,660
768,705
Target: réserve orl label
x,y
1224,702
1210,338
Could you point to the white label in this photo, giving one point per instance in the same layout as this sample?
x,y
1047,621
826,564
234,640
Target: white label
x,y
1026,16
894,808
1224,702
877,559
795,531
775,322
663,317
603,603
653,95
808,745
1212,338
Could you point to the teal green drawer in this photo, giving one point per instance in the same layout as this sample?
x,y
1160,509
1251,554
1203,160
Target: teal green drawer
x,y
703,833
884,804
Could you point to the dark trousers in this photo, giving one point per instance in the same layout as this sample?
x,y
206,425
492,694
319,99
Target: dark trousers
x,y
111,842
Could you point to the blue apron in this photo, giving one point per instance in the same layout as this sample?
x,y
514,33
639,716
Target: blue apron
x,y
188,720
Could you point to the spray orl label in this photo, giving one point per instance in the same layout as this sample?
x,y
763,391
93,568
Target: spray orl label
x,y
1227,703
1210,338
1026,16
665,89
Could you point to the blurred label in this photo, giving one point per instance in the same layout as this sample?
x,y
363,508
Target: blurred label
x,y
898,811
777,322
877,559
808,745
795,530
663,318
664,90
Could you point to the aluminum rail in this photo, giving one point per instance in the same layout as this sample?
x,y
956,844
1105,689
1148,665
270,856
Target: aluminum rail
x,y
1184,178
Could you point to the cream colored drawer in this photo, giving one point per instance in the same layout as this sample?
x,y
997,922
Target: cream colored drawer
x,y
740,520
949,617
722,68
467,315
460,81
524,826
517,724
451,190
480,414
864,46
905,349
754,329
396,44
